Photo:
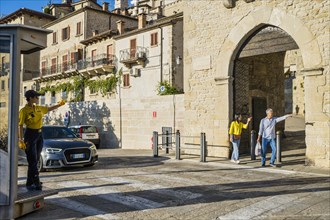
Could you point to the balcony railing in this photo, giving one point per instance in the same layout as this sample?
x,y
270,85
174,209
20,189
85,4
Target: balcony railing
x,y
133,56
4,69
98,61
101,59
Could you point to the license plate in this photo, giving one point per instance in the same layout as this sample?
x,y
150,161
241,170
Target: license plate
x,y
91,135
78,156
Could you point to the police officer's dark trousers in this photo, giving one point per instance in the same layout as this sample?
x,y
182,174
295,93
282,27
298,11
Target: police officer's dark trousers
x,y
34,142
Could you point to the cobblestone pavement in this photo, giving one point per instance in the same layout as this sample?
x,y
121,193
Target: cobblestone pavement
x,y
131,184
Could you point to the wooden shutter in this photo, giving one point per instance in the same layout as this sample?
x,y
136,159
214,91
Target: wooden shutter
x,y
155,38
110,53
43,67
133,48
93,57
65,62
53,68
78,28
126,80
54,38
72,57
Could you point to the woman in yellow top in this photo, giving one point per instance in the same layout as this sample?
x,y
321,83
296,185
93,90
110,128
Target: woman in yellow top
x,y
31,115
235,132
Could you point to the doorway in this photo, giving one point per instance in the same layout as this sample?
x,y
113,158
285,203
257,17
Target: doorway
x,y
267,75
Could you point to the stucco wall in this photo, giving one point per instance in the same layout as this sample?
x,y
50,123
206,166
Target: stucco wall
x,y
137,118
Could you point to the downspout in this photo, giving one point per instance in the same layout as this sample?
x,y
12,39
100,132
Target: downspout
x,y
161,54
120,116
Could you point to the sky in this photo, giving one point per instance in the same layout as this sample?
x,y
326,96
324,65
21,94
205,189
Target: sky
x,y
9,6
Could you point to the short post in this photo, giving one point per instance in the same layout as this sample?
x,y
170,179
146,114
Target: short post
x,y
155,143
203,147
278,147
167,142
177,145
253,144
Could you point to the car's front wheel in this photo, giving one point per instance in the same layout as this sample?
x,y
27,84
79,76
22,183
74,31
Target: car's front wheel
x,y
40,165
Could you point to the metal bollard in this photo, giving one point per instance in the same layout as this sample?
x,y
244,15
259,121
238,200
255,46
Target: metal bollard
x,y
203,148
253,144
155,143
177,145
167,142
278,147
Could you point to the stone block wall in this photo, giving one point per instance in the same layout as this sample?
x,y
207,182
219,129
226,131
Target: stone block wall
x,y
216,34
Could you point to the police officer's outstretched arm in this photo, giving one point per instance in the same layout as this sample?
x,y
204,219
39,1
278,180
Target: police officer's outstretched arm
x,y
59,104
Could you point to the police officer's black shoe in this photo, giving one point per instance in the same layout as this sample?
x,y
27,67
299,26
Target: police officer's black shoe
x,y
33,187
37,184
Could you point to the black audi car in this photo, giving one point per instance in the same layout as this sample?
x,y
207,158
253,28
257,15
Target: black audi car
x,y
62,148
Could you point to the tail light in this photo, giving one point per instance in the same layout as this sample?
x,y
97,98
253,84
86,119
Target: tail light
x,y
80,131
97,131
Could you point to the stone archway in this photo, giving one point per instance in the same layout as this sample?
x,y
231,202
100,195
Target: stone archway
x,y
312,62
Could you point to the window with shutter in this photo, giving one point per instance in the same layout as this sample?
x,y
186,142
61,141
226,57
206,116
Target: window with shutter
x,y
43,67
133,48
54,37
126,80
110,53
154,39
65,63
66,33
72,57
78,28
53,67
93,57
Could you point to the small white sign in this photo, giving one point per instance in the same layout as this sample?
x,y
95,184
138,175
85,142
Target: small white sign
x,y
162,88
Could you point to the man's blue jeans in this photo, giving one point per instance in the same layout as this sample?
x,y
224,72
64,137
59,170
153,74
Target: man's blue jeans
x,y
235,154
264,146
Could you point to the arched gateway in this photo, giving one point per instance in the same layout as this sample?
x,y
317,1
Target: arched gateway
x,y
312,67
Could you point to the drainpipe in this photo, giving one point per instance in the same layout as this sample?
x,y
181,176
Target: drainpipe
x,y
120,116
161,54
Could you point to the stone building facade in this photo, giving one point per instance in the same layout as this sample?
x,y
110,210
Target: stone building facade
x,y
29,63
218,32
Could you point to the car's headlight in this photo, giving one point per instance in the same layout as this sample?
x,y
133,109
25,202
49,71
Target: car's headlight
x,y
93,147
53,150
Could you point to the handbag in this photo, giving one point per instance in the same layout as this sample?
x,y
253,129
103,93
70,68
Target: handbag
x,y
257,150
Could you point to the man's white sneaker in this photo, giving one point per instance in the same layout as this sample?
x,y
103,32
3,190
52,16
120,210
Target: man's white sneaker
x,y
237,161
233,161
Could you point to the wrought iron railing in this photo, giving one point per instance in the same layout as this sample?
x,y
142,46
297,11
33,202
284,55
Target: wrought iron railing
x,y
101,59
133,53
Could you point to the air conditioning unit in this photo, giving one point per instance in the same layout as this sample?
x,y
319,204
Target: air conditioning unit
x,y
135,72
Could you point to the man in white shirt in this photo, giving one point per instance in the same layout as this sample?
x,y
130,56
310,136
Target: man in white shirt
x,y
267,132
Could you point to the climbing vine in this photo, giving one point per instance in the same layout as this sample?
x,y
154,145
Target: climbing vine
x,y
77,85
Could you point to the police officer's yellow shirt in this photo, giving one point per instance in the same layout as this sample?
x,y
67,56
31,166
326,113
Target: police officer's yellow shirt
x,y
32,116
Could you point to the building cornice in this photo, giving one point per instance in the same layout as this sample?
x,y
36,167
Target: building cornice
x,y
82,10
157,23
22,11
101,36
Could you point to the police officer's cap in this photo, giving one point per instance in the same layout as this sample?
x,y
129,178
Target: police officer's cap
x,y
31,94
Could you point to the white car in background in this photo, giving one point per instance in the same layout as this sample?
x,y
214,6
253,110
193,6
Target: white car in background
x,y
87,132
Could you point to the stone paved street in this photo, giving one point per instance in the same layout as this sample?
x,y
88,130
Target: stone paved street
x,y
130,184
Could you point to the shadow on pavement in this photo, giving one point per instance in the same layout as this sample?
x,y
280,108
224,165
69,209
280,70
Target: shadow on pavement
x,y
212,193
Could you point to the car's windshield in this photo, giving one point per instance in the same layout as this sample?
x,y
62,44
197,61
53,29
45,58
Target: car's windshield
x,y
57,132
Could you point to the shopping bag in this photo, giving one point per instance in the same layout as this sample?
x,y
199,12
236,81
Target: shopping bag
x,y
257,150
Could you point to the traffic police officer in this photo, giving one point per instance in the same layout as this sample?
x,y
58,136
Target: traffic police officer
x,y
31,115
